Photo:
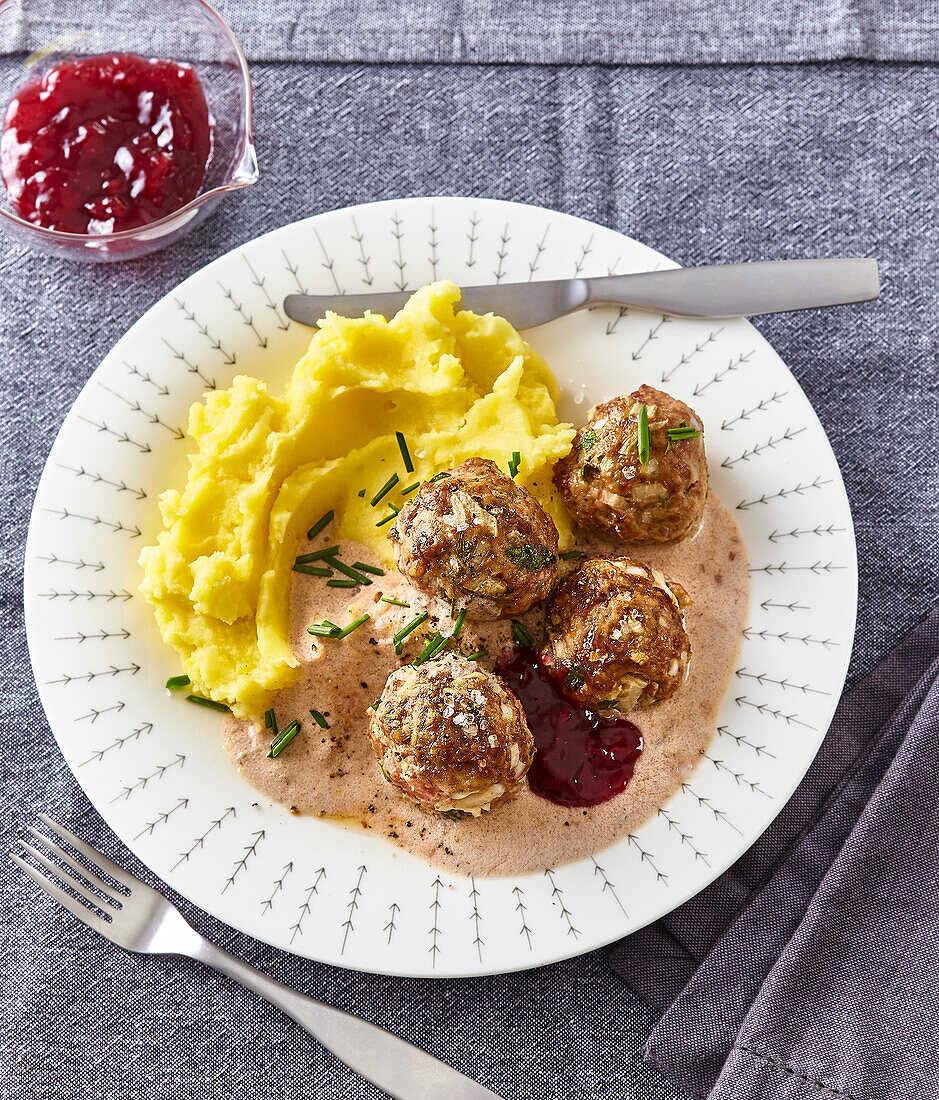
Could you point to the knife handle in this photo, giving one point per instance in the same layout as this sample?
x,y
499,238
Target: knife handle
x,y
741,290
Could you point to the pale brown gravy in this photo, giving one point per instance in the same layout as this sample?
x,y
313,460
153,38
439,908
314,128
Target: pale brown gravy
x,y
333,774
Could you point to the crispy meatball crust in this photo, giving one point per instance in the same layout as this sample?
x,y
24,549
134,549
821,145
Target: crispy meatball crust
x,y
605,487
472,535
451,736
616,634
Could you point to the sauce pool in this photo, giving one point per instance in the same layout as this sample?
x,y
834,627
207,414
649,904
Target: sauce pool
x,y
583,759
101,144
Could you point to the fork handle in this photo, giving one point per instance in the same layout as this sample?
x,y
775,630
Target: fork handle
x,y
403,1070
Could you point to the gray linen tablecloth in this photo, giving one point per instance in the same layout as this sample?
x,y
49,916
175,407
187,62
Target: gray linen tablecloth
x,y
707,162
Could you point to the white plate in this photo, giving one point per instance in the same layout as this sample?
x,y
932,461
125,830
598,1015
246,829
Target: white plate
x,y
154,767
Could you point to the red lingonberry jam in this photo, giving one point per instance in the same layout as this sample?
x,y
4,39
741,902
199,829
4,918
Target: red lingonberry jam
x,y
583,759
101,144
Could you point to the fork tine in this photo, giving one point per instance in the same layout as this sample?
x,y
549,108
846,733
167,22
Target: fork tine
x,y
97,859
86,916
74,866
69,880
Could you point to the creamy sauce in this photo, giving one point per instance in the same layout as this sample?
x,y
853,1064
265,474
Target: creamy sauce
x,y
333,773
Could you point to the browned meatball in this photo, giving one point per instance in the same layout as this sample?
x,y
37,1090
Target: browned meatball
x,y
473,536
617,635
607,489
451,736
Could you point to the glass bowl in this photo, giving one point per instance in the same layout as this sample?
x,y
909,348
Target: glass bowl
x,y
35,34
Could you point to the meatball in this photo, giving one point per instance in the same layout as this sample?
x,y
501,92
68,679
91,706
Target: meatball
x,y
451,736
617,635
471,535
607,489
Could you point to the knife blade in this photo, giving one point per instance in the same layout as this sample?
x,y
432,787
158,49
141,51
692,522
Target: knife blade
x,y
723,290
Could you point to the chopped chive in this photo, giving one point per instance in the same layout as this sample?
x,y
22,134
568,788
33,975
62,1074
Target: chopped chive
x,y
325,629
317,555
574,679
410,489
359,578
320,524
453,608
407,629
361,492
458,625
311,570
200,701
375,706
521,635
643,441
175,682
682,432
341,582
319,719
571,555
435,643
347,630
405,453
388,519
437,477
515,463
368,568
283,739
397,603
384,490
481,652
270,720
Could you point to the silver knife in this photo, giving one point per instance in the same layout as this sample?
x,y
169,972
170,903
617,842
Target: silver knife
x,y
725,290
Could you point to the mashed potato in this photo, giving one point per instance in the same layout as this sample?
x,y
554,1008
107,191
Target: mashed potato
x,y
454,384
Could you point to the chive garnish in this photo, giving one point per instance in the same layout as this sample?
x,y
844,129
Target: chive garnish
x,y
270,720
361,492
175,682
325,629
397,603
437,477
574,679
283,739
368,568
317,555
200,701
311,570
375,706
320,524
384,490
410,489
571,555
407,629
435,643
347,630
405,453
683,431
388,519
458,625
643,434
588,440
521,635
341,582
319,719
481,652
515,463
354,574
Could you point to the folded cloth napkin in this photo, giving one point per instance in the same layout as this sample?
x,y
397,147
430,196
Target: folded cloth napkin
x,y
810,969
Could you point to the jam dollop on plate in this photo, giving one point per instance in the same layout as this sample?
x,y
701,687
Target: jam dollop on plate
x,y
582,758
97,145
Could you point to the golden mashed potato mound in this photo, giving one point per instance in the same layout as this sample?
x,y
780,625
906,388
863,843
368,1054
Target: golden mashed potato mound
x,y
453,383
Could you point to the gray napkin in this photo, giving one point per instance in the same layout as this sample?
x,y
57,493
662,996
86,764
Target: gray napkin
x,y
810,967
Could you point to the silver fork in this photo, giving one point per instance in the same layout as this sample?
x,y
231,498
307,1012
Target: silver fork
x,y
143,921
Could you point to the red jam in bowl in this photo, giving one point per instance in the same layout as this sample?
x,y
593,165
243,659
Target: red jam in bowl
x,y
583,759
101,144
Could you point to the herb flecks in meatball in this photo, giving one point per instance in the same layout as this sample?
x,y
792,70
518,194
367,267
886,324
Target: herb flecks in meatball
x,y
616,635
608,489
451,736
471,535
